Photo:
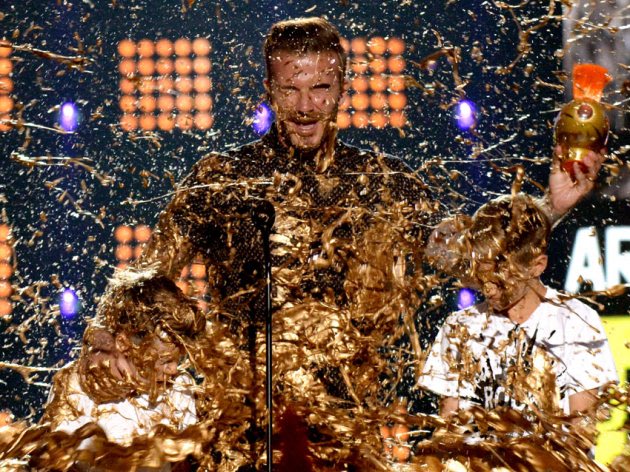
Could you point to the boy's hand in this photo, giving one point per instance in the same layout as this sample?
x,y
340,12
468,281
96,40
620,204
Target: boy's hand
x,y
565,192
102,351
105,373
119,367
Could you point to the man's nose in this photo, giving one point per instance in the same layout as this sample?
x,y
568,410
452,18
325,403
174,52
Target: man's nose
x,y
305,102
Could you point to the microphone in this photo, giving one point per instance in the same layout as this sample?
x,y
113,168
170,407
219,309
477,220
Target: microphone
x,y
263,215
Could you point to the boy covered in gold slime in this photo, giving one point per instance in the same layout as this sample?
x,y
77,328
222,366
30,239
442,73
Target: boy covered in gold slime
x,y
150,321
527,346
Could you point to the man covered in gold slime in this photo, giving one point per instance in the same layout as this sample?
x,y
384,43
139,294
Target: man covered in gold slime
x,y
350,231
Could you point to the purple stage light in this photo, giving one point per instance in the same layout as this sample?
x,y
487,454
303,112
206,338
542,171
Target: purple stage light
x,y
465,298
466,114
69,304
263,118
69,117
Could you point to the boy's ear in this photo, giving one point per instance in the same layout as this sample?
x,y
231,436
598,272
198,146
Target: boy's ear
x,y
539,265
123,343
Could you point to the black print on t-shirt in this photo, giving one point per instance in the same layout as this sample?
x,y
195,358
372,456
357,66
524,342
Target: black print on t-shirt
x,y
490,385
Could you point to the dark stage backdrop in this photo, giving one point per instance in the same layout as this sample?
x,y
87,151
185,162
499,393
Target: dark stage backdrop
x,y
64,213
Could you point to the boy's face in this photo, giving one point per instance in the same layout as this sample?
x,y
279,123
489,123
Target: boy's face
x,y
149,359
500,288
155,359
164,358
504,285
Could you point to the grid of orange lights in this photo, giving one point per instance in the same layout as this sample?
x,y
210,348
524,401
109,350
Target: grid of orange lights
x,y
6,271
377,84
6,85
130,241
165,84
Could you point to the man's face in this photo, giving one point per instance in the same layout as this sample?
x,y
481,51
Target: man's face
x,y
305,90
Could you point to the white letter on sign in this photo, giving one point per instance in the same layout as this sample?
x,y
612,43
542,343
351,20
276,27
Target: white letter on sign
x,y
617,262
586,261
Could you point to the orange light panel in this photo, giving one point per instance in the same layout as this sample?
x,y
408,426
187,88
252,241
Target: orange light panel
x,y
377,86
142,233
164,47
6,86
164,84
6,267
166,121
202,47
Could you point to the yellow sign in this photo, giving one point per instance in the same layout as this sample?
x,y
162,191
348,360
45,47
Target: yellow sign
x,y
612,440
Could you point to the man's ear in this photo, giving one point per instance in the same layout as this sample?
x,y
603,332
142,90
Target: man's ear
x,y
123,343
539,265
267,86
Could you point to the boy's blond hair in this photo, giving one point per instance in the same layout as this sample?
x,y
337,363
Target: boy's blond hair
x,y
509,231
141,302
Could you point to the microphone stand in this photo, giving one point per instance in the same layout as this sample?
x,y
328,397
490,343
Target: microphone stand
x,y
264,216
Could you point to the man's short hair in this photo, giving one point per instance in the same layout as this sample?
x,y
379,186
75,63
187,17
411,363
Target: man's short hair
x,y
302,36
513,229
139,302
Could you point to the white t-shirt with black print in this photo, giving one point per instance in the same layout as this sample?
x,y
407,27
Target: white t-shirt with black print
x,y
486,359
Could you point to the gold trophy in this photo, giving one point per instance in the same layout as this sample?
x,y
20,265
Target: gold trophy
x,y
582,124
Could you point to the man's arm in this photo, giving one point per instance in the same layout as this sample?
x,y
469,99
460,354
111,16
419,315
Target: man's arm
x,y
196,220
169,247
444,249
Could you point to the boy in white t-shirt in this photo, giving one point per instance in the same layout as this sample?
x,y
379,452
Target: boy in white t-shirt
x,y
140,330
526,345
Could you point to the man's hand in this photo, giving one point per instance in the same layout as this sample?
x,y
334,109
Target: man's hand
x,y
565,192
